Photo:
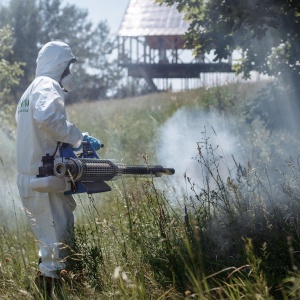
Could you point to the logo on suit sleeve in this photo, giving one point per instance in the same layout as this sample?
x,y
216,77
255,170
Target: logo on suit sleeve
x,y
23,105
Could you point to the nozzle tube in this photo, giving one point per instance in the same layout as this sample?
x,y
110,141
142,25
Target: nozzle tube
x,y
86,170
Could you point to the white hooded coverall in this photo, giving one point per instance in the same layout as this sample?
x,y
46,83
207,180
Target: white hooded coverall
x,y
41,123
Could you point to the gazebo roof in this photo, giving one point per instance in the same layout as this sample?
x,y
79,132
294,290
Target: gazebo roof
x,y
146,18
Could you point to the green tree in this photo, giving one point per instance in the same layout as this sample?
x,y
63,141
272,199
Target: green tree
x,y
37,22
266,32
22,17
67,23
10,73
105,73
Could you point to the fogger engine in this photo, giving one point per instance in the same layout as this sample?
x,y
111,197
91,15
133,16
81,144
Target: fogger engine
x,y
85,172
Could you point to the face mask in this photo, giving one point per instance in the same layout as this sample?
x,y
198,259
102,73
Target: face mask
x,y
68,83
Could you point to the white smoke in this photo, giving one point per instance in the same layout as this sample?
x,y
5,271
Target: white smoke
x,y
186,131
9,194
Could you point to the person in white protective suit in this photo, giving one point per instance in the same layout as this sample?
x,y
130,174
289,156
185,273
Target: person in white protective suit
x,y
41,124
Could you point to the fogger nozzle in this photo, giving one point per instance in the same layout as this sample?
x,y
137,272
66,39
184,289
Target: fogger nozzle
x,y
91,170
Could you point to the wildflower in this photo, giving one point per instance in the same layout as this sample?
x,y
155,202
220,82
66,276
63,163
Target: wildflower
x,y
117,272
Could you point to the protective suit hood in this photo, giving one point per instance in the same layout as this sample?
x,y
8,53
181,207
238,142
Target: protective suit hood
x,y
52,60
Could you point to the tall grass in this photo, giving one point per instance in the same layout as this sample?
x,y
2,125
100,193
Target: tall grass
x,y
230,238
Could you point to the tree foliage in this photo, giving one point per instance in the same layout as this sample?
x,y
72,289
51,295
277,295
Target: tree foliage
x,y
266,32
10,73
37,22
22,17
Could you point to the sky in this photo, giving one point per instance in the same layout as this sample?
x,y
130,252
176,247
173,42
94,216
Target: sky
x,y
99,10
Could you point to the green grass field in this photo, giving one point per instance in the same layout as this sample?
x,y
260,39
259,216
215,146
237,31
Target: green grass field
x,y
232,237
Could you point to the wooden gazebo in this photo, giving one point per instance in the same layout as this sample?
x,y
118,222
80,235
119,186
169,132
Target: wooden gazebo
x,y
151,44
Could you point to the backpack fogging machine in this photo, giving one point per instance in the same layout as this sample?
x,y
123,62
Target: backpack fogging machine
x,y
85,172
